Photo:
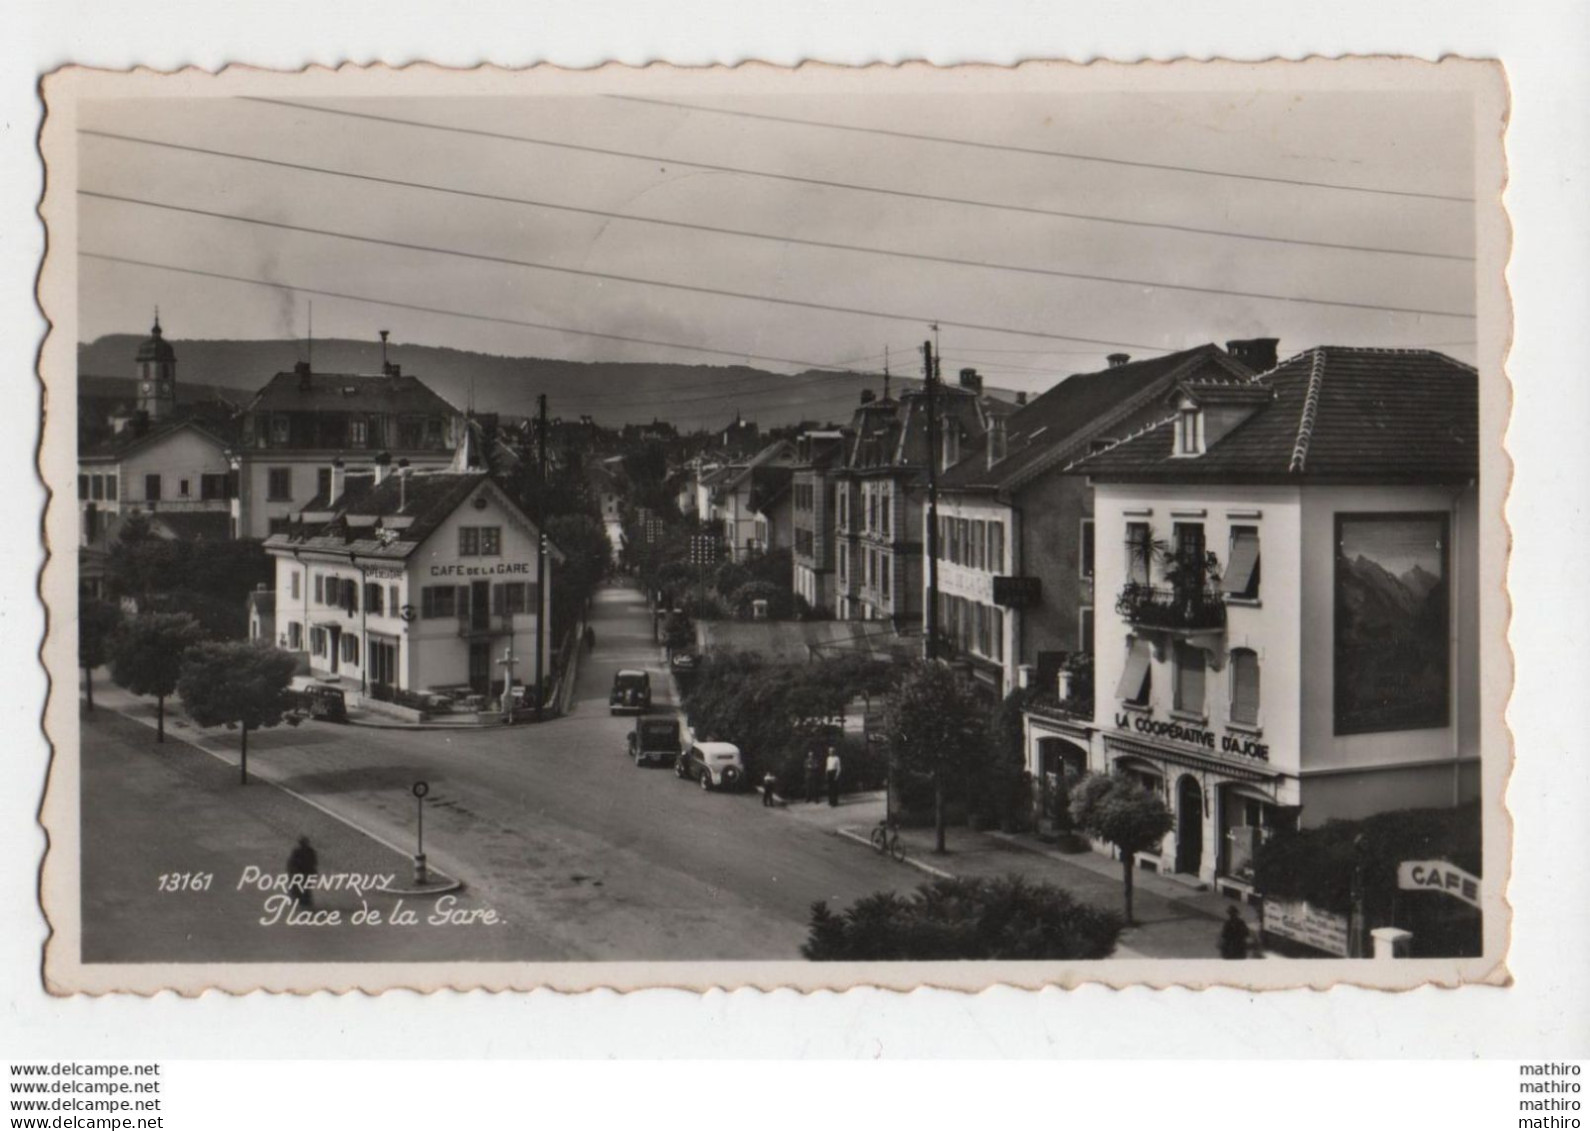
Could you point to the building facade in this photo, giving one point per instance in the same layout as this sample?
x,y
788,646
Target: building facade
x,y
1016,538
815,499
416,581
1288,630
304,425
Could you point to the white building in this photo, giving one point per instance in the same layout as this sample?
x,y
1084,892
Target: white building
x,y
418,581
1292,564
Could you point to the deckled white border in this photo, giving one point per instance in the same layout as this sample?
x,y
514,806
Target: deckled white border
x,y
1549,956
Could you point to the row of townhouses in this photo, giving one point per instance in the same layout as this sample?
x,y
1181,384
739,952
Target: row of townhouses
x,y
1269,564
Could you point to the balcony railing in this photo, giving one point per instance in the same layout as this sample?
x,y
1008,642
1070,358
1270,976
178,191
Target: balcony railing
x,y
1172,607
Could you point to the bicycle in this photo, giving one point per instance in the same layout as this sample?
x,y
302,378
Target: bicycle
x,y
886,840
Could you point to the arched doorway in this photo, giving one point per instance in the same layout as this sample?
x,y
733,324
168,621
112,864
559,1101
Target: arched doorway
x,y
1189,825
1057,758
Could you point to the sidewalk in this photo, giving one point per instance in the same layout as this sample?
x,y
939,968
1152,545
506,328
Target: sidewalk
x,y
154,810
1173,921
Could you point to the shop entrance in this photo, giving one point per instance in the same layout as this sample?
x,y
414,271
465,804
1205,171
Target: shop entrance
x,y
1057,760
1189,826
480,667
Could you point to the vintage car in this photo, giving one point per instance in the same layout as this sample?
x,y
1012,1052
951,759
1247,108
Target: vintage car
x,y
685,661
631,691
317,700
655,739
716,765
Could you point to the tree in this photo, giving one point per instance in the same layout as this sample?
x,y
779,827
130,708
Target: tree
x,y
999,918
1115,808
237,684
97,622
937,727
147,656
679,633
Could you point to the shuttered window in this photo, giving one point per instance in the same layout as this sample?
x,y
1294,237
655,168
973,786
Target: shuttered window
x,y
1242,572
1245,687
1135,679
1191,667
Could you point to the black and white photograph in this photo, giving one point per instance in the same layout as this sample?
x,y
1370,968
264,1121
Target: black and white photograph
x,y
768,527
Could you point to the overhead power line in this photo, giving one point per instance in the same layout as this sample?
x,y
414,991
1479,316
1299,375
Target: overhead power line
x,y
608,276
1165,167
848,186
799,241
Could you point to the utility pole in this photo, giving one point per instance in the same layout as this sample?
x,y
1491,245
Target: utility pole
x,y
930,373
541,560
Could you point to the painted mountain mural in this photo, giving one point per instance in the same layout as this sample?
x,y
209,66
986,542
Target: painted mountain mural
x,y
1392,657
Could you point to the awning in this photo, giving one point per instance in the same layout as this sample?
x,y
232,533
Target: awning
x,y
1137,660
1244,557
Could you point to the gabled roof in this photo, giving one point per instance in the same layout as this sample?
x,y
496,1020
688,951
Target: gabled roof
x,y
130,439
349,392
1337,413
1057,426
406,511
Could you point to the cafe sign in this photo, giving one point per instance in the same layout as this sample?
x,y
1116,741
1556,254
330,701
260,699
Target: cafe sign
x,y
1438,875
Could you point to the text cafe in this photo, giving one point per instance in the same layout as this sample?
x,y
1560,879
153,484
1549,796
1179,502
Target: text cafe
x,y
1225,796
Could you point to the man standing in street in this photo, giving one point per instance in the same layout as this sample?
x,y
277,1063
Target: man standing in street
x,y
814,776
832,769
302,863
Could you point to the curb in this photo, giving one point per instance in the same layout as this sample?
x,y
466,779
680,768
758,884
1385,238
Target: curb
x,y
909,861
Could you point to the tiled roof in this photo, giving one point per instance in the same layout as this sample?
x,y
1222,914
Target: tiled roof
x,y
210,421
1337,413
195,526
349,392
1055,427
426,499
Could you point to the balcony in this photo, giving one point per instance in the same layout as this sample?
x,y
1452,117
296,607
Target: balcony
x,y
1172,608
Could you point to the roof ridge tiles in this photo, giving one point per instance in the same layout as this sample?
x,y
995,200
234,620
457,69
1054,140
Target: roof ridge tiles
x,y
1305,424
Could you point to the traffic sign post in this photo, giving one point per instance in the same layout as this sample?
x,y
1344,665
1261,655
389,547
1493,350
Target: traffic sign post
x,y
420,789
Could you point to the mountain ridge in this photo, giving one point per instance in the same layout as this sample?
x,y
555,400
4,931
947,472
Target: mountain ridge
x,y
611,392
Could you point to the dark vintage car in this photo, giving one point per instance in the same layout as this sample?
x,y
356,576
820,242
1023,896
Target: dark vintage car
x,y
715,765
318,701
631,692
655,740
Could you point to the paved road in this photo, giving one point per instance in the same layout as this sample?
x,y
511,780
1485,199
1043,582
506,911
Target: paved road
x,y
583,855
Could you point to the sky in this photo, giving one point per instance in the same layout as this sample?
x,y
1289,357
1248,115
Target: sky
x,y
988,278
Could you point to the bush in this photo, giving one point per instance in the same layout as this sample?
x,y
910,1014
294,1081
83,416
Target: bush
x,y
1006,918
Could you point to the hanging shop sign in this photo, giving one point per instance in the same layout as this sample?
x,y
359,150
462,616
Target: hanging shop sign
x,y
1018,592
1438,875
1301,921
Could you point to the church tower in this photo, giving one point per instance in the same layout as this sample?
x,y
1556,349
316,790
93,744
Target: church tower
x,y
157,374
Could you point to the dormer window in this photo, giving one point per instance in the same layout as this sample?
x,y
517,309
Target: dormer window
x,y
1189,430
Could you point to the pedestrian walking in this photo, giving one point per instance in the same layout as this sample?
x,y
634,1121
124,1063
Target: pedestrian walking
x,y
814,777
1234,935
832,768
769,787
302,863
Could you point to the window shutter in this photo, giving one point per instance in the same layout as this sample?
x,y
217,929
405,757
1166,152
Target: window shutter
x,y
1190,666
1245,687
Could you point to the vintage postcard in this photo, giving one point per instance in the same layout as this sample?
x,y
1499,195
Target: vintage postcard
x,y
782,528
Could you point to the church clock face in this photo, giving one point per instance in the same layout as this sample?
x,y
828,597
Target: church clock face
x,y
145,387
164,389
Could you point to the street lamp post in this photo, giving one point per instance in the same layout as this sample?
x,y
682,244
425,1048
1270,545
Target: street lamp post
x,y
420,789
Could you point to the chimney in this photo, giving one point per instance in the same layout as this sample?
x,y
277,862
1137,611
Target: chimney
x,y
304,383
1258,354
339,480
971,380
1021,398
1117,360
385,366
383,467
996,439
